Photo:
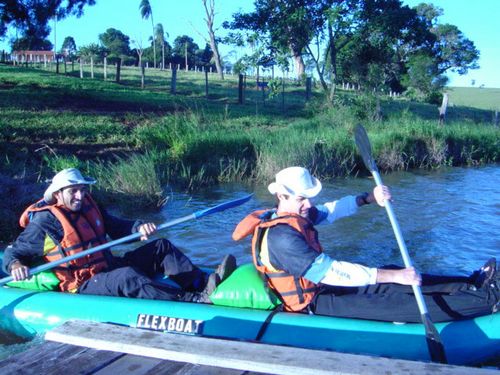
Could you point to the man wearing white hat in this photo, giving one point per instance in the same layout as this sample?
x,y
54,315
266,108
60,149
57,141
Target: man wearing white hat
x,y
287,252
67,221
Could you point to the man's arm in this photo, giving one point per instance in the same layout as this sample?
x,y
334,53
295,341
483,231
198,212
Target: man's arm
x,y
289,251
117,227
347,206
27,248
353,274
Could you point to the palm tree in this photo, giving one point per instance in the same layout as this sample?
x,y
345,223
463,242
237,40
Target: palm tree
x,y
147,12
160,34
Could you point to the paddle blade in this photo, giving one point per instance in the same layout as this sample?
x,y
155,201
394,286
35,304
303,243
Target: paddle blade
x,y
222,206
364,147
434,343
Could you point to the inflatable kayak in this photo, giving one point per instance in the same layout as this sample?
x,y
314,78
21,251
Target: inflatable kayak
x,y
28,312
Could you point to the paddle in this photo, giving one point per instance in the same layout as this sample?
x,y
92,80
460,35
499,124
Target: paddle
x,y
434,343
194,215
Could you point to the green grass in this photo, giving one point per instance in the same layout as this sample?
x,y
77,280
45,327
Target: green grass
x,y
482,98
137,141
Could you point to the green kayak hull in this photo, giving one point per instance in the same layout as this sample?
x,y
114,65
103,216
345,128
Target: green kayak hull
x,y
27,313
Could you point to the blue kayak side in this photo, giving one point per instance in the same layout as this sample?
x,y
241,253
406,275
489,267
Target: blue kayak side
x,y
26,313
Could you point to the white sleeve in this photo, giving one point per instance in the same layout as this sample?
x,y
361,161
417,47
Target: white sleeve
x,y
349,274
338,209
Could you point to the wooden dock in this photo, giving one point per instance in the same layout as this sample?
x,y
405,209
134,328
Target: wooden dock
x,y
95,348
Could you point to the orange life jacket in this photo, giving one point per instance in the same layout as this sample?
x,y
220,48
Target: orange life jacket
x,y
82,231
295,292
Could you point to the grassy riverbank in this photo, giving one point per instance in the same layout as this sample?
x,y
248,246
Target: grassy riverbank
x,y
136,141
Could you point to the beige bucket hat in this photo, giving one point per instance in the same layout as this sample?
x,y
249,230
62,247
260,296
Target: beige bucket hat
x,y
295,181
65,178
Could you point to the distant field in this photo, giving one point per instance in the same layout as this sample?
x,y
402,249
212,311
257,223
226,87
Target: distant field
x,y
482,98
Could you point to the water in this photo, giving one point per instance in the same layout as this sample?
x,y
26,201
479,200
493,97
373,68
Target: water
x,y
450,220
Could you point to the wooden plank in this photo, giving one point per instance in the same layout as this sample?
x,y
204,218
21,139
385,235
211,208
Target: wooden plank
x,y
131,365
53,358
136,365
56,358
236,354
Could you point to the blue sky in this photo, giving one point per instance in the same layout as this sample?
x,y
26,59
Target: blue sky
x,y
478,20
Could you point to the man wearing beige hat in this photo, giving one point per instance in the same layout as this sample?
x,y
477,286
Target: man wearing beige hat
x,y
68,221
287,252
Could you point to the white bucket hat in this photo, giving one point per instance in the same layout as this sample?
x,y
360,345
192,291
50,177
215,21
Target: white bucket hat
x,y
295,181
65,178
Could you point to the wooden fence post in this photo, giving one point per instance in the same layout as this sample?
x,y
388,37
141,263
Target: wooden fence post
x,y
143,74
283,94
308,88
81,67
264,85
206,82
173,83
118,67
496,118
105,67
240,89
442,110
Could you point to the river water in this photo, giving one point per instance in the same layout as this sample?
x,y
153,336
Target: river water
x,y
450,219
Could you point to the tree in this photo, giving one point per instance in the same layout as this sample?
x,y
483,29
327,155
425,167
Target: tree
x,y
116,44
334,30
289,25
139,50
147,12
68,47
451,49
385,34
31,43
91,51
184,50
31,19
160,35
423,79
210,12
455,52
205,57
